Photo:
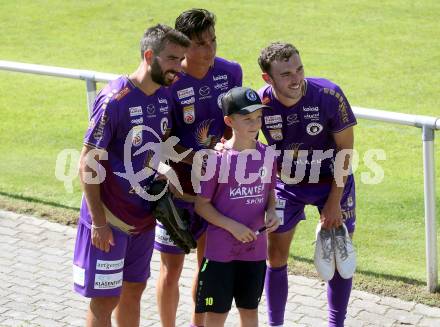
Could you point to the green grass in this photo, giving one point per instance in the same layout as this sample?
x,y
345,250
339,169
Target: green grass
x,y
384,54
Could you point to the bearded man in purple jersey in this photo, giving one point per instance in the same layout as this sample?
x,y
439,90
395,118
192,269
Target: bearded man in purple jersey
x,y
198,123
310,121
115,235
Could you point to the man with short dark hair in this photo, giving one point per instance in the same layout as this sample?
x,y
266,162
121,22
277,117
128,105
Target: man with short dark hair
x,y
115,234
311,122
198,123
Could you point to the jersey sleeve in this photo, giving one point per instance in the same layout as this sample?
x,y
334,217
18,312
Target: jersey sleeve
x,y
102,125
338,109
239,76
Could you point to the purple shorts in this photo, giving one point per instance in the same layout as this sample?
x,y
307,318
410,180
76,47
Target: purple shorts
x,y
97,273
291,200
198,225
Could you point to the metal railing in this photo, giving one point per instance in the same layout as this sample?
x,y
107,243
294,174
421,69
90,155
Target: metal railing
x,y
427,124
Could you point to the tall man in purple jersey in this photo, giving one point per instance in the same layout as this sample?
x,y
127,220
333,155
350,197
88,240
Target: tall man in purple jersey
x,y
198,123
116,229
308,116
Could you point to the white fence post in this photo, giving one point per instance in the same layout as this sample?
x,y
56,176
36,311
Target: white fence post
x,y
430,217
91,94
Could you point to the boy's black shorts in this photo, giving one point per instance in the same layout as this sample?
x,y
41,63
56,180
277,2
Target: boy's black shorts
x,y
220,282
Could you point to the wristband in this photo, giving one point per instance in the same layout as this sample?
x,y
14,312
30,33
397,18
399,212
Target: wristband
x,y
98,227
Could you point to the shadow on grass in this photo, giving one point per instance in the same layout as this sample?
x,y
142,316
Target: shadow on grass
x,y
406,280
36,200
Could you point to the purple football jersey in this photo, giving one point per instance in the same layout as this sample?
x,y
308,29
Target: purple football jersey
x,y
308,125
241,200
119,108
198,118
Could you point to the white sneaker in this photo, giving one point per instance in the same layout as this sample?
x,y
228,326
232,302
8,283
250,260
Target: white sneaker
x,y
324,253
344,252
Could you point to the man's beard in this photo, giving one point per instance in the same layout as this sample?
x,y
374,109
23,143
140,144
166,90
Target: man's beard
x,y
157,74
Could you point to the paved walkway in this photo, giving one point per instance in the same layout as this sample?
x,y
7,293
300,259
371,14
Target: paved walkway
x,y
36,289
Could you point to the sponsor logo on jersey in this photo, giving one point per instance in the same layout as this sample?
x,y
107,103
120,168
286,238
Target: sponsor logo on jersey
x,y
276,134
265,100
163,101
188,101
219,99
162,236
164,125
138,121
219,77
109,265
273,119
135,111
310,108
277,126
312,116
185,93
151,109
164,109
189,114
108,281
204,91
292,119
314,129
280,205
78,275
246,191
221,86
136,138
122,93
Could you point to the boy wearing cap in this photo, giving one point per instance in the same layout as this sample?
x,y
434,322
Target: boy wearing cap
x,y
239,203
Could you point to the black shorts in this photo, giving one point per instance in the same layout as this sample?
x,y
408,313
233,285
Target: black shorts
x,y
220,282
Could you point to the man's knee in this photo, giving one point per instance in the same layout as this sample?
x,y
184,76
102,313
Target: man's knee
x,y
171,266
133,291
279,248
103,306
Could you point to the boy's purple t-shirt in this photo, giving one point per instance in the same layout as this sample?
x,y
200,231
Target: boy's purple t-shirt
x,y
242,201
308,125
118,108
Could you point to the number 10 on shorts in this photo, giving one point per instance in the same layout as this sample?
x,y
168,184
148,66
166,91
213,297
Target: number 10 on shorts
x,y
209,301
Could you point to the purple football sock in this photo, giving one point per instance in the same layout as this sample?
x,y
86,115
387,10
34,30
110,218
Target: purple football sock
x,y
338,294
276,288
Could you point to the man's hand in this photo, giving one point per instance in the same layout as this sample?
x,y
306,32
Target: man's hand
x,y
272,221
331,214
102,237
